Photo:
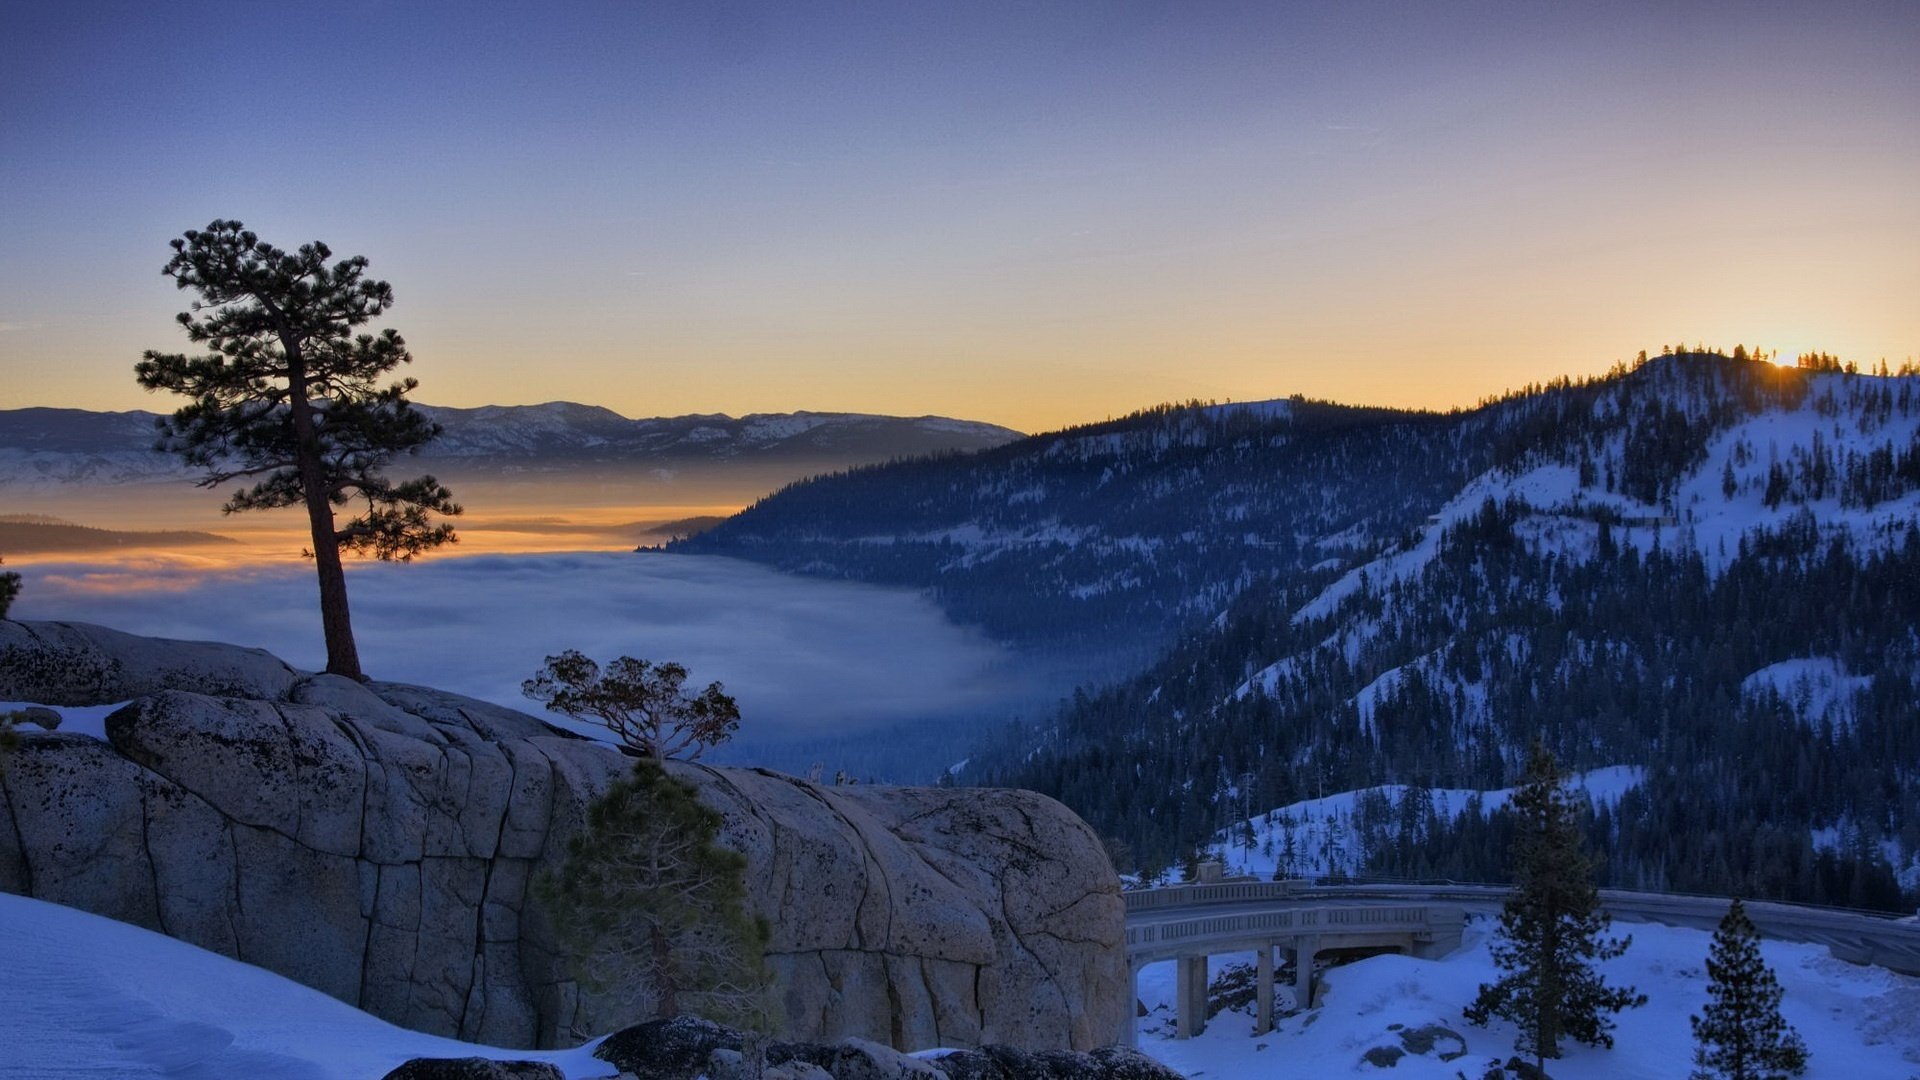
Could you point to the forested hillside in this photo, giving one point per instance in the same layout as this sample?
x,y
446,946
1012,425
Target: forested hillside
x,y
1104,541
1704,567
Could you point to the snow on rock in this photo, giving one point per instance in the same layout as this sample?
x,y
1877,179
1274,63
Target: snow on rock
x,y
1858,1022
88,720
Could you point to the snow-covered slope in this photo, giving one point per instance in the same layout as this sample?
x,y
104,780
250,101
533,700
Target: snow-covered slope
x,y
83,996
1815,689
1831,454
1333,834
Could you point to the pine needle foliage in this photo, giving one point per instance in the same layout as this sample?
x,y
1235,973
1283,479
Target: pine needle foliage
x,y
1741,1035
1552,931
9,590
652,911
288,403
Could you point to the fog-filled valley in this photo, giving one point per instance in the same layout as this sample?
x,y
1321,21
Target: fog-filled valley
x,y
857,678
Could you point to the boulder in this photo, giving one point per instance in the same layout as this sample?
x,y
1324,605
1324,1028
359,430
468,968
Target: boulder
x,y
475,1068
1126,1063
863,1059
381,842
57,663
671,1049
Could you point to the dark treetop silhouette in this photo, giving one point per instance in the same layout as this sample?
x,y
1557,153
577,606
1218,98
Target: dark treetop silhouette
x,y
288,401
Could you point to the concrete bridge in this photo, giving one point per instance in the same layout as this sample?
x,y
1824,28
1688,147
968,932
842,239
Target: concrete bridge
x,y
1190,923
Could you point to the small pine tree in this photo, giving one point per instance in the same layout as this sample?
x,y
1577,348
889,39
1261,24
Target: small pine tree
x,y
1741,1034
1552,929
9,589
644,704
650,909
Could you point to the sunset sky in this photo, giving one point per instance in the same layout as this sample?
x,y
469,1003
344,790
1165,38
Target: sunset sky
x,y
1033,214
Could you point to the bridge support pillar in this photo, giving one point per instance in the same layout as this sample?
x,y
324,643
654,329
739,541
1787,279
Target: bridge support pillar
x,y
1303,952
1263,990
1130,1027
1190,996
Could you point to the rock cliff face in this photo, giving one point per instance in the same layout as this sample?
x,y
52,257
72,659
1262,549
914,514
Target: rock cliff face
x,y
378,842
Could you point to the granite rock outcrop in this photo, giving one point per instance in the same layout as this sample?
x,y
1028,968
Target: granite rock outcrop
x,y
379,842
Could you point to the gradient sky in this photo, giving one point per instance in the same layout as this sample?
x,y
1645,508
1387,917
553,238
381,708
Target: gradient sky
x,y
1028,213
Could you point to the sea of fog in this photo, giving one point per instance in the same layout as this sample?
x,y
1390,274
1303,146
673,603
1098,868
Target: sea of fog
x,y
815,665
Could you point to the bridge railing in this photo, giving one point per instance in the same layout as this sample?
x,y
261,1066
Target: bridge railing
x,y
1288,922
1225,892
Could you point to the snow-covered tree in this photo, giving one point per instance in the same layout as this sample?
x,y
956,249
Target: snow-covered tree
x,y
1552,930
1741,1035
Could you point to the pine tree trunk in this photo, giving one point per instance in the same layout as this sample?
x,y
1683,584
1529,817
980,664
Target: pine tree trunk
x,y
336,622
668,1005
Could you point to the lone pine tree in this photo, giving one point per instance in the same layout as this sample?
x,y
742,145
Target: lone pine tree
x,y
1741,1035
1552,930
652,911
288,401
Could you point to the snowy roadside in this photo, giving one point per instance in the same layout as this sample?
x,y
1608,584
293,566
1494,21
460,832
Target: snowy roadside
x,y
1858,1021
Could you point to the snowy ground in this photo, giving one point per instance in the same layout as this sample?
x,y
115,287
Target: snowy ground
x,y
1858,1022
83,996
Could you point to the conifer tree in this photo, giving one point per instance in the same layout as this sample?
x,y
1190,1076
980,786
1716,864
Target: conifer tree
x,y
651,910
288,400
1741,1035
9,589
1552,930
644,704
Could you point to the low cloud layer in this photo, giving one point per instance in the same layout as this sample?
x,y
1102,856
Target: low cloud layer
x,y
805,658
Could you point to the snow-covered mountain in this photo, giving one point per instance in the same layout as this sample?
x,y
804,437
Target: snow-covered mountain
x,y
1704,567
71,446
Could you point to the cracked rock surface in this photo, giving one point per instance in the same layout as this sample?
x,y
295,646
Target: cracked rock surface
x,y
379,842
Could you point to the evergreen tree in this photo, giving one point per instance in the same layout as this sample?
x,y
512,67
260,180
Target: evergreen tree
x,y
1741,1035
1552,930
644,704
9,589
288,401
651,910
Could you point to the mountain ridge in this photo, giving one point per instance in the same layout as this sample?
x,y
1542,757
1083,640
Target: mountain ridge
x,y
1328,601
53,446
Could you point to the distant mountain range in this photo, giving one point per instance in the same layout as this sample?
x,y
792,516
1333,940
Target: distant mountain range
x,y
43,446
1699,568
34,534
